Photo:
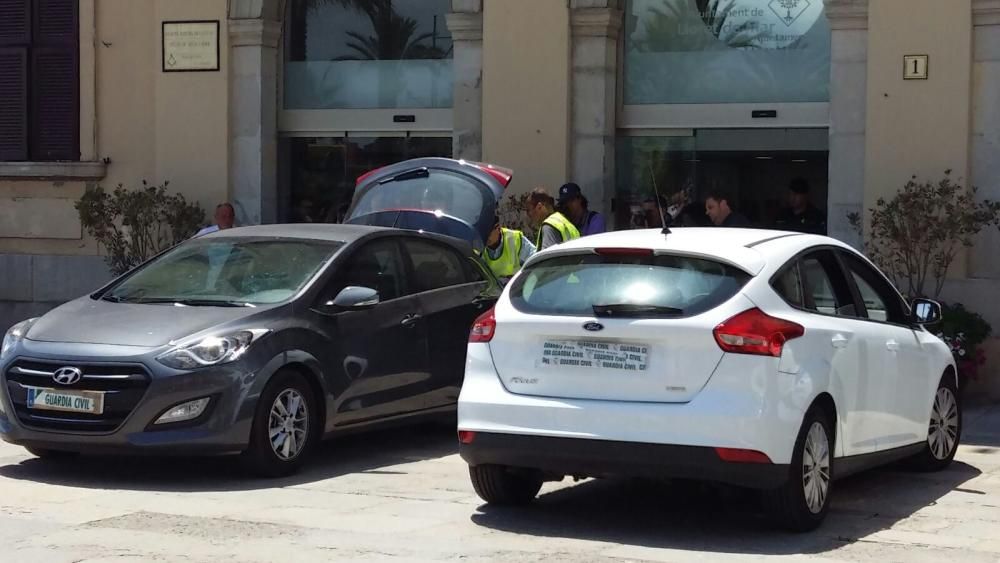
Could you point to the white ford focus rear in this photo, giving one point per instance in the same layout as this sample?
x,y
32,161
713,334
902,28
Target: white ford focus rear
x,y
761,359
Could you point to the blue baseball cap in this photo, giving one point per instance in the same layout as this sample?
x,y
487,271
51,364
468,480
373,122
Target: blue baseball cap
x,y
568,192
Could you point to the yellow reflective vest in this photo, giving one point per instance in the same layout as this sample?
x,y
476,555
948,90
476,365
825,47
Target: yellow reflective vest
x,y
509,261
566,228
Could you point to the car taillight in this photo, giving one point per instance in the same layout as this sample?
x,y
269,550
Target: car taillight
x,y
734,455
466,436
502,175
754,332
484,328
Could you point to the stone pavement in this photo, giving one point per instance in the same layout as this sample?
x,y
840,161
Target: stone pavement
x,y
405,495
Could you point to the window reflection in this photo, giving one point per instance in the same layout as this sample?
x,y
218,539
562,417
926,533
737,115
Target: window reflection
x,y
726,51
357,54
323,170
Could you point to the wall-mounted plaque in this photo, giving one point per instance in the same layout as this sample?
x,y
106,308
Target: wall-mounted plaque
x,y
190,46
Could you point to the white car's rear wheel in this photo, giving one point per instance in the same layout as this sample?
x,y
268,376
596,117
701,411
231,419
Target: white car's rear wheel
x,y
501,485
801,504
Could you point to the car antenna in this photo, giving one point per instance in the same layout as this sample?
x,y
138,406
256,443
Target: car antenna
x,y
659,208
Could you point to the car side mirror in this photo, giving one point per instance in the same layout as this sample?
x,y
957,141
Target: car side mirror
x,y
925,312
354,298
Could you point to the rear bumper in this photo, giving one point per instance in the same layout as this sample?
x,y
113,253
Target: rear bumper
x,y
599,458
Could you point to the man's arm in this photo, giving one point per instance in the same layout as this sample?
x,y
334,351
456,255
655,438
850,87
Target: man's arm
x,y
550,237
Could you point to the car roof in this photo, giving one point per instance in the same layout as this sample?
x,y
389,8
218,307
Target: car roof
x,y
746,249
312,231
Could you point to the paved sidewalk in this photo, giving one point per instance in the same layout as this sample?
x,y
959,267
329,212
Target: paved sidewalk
x,y
405,495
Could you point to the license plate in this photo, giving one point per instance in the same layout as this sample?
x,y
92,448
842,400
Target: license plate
x,y
620,356
91,402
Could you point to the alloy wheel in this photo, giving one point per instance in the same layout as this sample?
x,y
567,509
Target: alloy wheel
x,y
288,424
943,431
816,468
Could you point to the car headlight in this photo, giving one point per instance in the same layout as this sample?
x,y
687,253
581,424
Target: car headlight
x,y
14,335
211,350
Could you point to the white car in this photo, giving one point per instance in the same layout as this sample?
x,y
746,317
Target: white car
x,y
770,360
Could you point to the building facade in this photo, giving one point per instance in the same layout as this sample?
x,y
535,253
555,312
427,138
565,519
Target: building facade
x,y
627,98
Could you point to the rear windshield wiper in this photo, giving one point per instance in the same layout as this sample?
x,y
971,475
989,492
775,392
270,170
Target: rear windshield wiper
x,y
409,175
635,310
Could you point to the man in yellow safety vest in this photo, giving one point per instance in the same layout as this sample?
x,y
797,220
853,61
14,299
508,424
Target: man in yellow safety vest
x,y
506,251
553,227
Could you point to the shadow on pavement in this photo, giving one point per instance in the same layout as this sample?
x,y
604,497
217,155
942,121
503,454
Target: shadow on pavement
x,y
696,517
368,452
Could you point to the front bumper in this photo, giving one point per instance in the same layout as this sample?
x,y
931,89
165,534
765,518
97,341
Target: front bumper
x,y
600,458
223,428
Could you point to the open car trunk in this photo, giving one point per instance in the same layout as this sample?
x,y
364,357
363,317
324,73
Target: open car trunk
x,y
449,197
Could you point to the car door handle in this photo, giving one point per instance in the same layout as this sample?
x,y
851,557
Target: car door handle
x,y
892,345
410,320
839,341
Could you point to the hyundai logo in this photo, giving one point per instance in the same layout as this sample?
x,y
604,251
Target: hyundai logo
x,y
593,327
67,376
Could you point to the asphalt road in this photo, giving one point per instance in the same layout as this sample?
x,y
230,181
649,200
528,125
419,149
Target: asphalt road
x,y
405,495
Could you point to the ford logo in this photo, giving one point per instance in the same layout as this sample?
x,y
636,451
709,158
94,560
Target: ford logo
x,y
67,376
593,327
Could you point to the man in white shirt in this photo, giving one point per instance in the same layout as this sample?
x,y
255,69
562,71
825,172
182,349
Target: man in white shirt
x,y
225,216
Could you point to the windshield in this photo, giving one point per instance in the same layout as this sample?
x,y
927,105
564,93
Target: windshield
x,y
432,190
221,271
627,286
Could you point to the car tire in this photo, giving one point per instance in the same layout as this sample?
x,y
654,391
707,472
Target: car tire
x,y
503,486
801,504
944,429
47,454
288,408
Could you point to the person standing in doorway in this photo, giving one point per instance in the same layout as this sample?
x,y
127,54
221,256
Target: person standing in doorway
x,y
506,251
574,205
801,216
722,214
553,227
225,218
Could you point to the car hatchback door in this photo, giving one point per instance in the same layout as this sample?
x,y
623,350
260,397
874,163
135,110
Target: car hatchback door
x,y
382,350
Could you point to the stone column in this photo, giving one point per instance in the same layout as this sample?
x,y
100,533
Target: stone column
x,y
466,25
985,145
253,118
848,103
595,26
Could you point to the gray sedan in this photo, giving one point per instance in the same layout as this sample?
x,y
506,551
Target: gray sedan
x,y
256,340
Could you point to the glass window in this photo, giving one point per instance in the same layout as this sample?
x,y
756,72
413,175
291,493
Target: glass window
x,y
789,286
377,265
662,285
227,270
882,302
825,289
452,194
322,171
755,167
359,54
726,51
434,266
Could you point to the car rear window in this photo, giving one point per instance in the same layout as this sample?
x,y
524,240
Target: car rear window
x,y
623,285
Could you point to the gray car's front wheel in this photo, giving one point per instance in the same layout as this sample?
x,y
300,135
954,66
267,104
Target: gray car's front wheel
x,y
283,426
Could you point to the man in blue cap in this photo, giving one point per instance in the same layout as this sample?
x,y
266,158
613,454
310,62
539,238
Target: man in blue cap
x,y
573,204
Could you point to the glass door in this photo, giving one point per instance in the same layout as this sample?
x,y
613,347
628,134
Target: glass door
x,y
754,168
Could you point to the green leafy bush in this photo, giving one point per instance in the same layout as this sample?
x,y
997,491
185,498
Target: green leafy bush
x,y
915,235
135,225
